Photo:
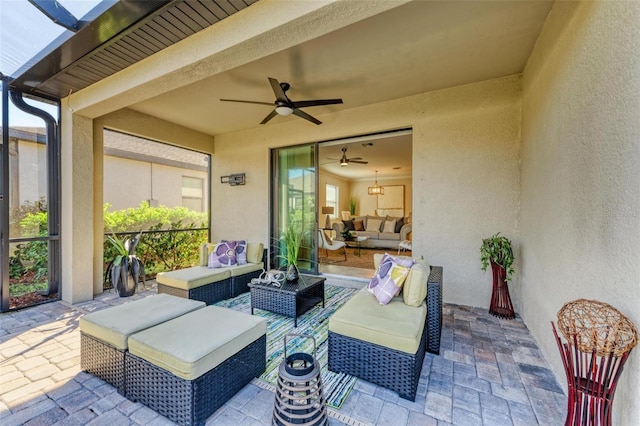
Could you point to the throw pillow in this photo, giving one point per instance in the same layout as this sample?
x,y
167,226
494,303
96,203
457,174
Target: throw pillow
x,y
348,224
389,226
373,225
415,286
387,281
223,254
399,225
358,225
407,261
241,250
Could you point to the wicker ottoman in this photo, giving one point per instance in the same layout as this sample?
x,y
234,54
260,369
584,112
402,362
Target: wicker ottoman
x,y
186,368
104,334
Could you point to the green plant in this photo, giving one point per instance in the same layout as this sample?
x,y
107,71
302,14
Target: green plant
x,y
124,264
497,249
292,238
352,205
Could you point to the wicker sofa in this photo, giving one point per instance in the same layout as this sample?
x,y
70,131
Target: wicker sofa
x,y
386,344
212,285
376,237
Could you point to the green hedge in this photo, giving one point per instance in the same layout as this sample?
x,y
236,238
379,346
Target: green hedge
x,y
160,251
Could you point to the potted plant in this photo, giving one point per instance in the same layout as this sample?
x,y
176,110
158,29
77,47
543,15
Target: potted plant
x,y
497,251
126,269
352,206
292,238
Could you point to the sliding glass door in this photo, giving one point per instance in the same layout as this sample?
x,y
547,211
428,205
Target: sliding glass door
x,y
294,203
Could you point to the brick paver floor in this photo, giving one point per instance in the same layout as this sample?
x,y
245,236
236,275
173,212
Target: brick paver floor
x,y
489,372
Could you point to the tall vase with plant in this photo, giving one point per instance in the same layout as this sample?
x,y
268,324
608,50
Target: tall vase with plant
x,y
292,238
126,270
352,205
497,251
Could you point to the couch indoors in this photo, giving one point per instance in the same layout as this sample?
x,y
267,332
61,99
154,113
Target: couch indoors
x,y
382,231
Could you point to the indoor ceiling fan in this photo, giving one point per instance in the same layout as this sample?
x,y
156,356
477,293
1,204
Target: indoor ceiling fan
x,y
285,106
344,161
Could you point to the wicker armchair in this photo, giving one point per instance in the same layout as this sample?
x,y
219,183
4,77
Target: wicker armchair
x,y
389,368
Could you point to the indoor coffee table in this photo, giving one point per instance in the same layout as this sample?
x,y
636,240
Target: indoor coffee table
x,y
357,243
291,300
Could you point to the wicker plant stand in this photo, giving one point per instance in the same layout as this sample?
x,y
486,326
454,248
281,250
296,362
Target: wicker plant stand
x,y
599,341
500,299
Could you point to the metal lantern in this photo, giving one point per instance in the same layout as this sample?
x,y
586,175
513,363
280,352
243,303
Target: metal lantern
x,y
299,395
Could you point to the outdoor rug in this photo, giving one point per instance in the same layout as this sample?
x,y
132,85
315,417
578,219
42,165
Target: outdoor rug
x,y
314,322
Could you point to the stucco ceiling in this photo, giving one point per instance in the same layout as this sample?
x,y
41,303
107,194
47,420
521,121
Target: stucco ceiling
x,y
415,48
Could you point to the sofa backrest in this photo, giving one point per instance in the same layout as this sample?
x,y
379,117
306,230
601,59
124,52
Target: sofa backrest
x,y
255,253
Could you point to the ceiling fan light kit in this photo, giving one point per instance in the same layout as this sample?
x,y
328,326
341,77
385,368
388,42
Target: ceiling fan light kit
x,y
285,106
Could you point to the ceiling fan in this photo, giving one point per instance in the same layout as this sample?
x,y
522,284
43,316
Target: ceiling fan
x,y
285,106
344,161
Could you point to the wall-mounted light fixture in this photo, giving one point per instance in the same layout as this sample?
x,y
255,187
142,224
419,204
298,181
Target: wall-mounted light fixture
x,y
234,179
376,189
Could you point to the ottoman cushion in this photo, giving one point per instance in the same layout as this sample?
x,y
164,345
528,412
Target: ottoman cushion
x,y
193,344
114,325
196,276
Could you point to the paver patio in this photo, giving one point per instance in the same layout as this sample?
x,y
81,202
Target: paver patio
x,y
489,372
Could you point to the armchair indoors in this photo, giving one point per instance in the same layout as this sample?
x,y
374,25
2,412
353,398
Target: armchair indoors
x,y
326,244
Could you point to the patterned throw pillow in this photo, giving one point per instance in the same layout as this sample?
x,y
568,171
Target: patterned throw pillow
x,y
223,254
389,278
241,250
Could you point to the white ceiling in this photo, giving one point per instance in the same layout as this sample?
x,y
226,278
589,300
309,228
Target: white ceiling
x,y
415,48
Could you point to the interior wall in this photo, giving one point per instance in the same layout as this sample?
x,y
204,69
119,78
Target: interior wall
x,y
368,204
581,174
465,164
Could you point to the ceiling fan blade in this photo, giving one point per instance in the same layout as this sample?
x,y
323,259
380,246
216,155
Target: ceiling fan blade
x,y
247,102
306,116
277,90
269,117
355,158
351,160
316,102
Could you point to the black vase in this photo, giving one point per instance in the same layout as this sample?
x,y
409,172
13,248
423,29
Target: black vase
x,y
125,285
292,274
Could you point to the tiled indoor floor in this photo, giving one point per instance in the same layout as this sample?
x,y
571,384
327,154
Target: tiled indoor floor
x,y
489,372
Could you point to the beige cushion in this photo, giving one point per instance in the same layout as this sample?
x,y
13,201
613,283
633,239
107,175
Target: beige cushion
x,y
394,325
193,344
373,225
238,270
254,252
389,226
114,325
415,286
193,277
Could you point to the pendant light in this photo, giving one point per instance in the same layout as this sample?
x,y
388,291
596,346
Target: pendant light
x,y
376,189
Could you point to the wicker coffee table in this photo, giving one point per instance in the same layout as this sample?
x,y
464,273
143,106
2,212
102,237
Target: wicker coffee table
x,y
291,300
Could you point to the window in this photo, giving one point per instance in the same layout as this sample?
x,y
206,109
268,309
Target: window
x,y
332,199
192,193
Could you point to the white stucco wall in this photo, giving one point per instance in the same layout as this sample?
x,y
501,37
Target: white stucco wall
x,y
465,179
580,224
